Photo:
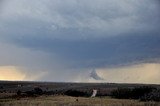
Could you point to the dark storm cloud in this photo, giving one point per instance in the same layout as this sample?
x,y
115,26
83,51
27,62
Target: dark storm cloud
x,y
110,51
79,34
76,19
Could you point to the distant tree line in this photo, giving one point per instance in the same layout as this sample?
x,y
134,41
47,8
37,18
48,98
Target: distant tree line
x,y
38,91
144,93
35,92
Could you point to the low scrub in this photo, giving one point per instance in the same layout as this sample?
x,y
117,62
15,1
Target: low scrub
x,y
37,91
144,93
152,96
76,93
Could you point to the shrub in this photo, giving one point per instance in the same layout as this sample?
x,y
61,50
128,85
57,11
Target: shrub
x,y
19,92
152,96
121,93
76,93
38,91
1,87
134,93
29,93
35,92
139,92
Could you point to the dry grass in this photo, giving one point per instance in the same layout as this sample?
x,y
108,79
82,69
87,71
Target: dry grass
x,y
72,101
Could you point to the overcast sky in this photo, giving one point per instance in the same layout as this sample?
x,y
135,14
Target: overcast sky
x,y
80,40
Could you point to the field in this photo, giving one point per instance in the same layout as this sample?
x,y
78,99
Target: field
x,y
73,101
55,94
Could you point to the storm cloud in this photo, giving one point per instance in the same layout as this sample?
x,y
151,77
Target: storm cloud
x,y
71,37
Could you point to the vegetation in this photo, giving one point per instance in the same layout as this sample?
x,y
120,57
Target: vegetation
x,y
36,92
73,101
19,92
144,93
76,93
152,96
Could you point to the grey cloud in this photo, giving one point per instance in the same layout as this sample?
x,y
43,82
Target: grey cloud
x,y
79,34
110,51
49,17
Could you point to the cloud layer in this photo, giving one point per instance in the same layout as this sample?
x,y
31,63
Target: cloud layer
x,y
72,37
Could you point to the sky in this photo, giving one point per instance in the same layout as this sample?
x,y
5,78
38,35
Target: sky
x,y
116,41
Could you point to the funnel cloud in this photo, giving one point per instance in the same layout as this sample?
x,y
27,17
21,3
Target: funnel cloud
x,y
95,76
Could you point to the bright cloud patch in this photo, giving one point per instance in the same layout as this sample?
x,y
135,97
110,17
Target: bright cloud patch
x,y
144,73
11,73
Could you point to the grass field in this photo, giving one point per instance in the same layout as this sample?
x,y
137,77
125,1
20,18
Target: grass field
x,y
72,101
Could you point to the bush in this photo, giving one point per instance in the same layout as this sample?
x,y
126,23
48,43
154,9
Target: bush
x,y
139,92
19,92
38,91
121,93
152,96
30,93
1,87
35,92
134,93
76,93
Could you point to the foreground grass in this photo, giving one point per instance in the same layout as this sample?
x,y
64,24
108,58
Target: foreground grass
x,y
72,101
